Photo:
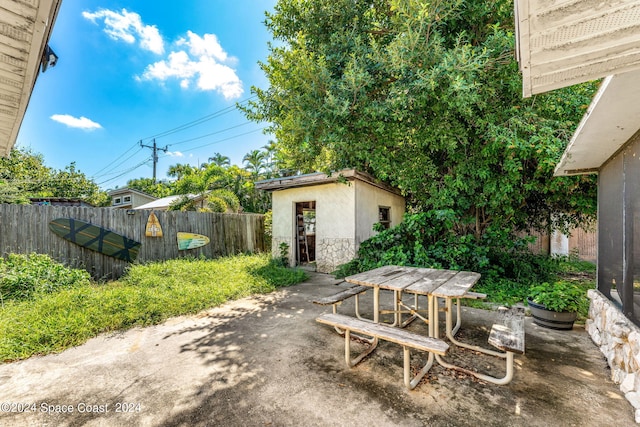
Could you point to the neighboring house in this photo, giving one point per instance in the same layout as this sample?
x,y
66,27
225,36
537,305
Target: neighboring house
x,y
128,198
59,201
164,203
560,45
323,219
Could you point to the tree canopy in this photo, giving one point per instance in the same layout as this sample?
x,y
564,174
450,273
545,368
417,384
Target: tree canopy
x,y
426,96
24,175
224,187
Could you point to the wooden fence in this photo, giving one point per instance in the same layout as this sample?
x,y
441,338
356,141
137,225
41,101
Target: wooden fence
x,y
24,229
581,242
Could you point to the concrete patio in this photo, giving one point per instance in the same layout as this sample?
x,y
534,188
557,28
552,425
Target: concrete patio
x,y
264,361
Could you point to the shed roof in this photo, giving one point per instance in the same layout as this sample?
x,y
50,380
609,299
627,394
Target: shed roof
x,y
320,178
25,28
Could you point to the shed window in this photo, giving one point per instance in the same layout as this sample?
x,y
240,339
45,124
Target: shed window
x,y
127,199
117,201
384,216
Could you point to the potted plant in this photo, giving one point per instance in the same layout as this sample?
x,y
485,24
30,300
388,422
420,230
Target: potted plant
x,y
556,305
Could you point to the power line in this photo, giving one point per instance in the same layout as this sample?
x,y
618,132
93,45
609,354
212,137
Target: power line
x,y
209,134
200,120
115,166
118,158
125,172
222,140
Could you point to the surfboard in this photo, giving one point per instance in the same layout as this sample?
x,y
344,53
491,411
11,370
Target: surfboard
x,y
153,226
191,241
96,238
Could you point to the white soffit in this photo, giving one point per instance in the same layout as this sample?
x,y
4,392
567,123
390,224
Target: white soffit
x,y
610,121
562,43
25,27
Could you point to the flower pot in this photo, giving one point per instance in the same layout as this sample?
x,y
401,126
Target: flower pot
x,y
562,320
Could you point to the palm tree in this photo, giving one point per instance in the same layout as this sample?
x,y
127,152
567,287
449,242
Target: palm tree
x,y
270,151
220,160
179,171
255,161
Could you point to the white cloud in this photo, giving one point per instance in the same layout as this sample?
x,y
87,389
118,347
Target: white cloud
x,y
200,62
75,122
175,154
128,26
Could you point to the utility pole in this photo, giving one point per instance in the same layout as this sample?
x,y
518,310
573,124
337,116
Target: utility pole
x,y
155,149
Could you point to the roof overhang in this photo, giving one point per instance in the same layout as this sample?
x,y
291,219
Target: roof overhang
x,y
562,43
25,28
320,178
611,120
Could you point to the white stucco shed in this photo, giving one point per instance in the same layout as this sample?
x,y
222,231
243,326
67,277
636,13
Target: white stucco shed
x,y
323,219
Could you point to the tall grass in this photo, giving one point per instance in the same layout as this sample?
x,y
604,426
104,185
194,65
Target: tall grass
x,y
147,294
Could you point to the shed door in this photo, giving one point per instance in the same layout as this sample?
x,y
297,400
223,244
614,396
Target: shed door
x,y
305,230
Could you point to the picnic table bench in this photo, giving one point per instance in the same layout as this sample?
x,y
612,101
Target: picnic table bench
x,y
507,334
378,331
336,299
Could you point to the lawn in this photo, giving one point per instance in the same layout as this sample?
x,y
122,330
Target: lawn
x,y
40,316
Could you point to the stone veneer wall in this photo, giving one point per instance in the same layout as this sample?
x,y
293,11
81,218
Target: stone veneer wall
x,y
619,340
332,252
275,248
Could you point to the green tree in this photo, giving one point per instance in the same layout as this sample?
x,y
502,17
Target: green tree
x,y
426,96
23,174
150,186
255,162
72,183
213,180
220,160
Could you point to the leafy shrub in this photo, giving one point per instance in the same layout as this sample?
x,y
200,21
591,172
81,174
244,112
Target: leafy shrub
x,y
24,276
431,239
560,296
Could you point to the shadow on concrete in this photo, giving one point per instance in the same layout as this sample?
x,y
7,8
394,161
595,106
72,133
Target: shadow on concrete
x,y
264,361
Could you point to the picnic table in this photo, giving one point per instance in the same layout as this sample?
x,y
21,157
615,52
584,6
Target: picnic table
x,y
429,282
435,284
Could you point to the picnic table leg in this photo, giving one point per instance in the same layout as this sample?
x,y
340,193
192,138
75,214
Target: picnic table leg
x,y
413,312
432,304
450,333
342,332
498,381
376,304
351,362
358,315
408,381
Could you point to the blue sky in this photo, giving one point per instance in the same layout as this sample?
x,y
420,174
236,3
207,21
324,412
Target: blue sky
x,y
133,70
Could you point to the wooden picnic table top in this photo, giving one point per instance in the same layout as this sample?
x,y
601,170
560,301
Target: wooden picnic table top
x,y
422,281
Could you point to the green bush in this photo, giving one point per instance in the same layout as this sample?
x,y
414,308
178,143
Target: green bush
x,y
25,276
432,239
560,296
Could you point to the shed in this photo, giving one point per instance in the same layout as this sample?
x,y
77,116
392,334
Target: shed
x,y
324,218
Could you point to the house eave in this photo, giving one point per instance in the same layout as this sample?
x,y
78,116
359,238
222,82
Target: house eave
x,y
25,29
609,123
563,43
